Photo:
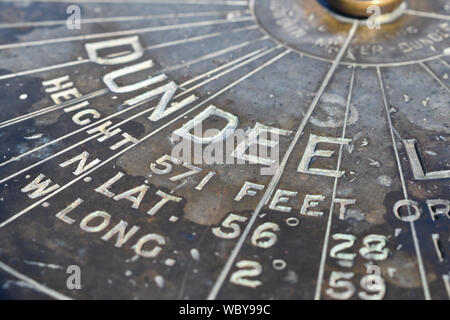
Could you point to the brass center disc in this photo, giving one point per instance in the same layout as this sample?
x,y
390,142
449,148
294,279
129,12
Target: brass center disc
x,y
359,8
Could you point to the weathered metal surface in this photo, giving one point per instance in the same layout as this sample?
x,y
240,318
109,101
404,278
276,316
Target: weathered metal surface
x,y
332,232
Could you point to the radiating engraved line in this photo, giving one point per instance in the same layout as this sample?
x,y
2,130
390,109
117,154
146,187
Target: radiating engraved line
x,y
423,276
201,37
435,76
189,2
397,134
52,108
214,54
255,54
42,69
219,75
323,258
35,285
123,32
193,261
444,62
427,14
275,179
156,46
118,19
446,279
104,91
266,64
